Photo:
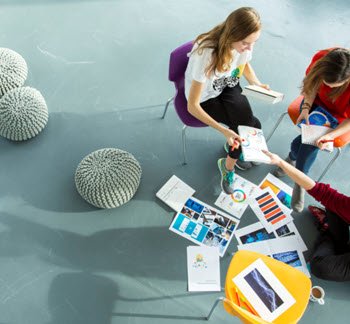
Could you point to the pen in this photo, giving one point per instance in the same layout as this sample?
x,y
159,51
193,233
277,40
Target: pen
x,y
235,145
327,141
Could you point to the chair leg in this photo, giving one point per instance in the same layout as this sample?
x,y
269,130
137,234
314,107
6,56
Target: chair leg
x,y
184,144
214,306
276,125
337,154
167,105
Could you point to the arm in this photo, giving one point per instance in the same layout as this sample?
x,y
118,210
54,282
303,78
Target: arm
x,y
343,128
296,175
251,77
306,107
195,109
332,200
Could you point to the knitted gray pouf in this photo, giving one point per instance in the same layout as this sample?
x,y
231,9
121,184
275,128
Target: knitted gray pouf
x,y
13,70
108,178
23,114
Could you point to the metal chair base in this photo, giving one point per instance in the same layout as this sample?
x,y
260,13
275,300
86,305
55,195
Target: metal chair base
x,y
166,106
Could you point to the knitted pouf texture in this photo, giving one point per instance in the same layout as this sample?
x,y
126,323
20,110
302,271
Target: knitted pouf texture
x,y
23,114
13,70
108,178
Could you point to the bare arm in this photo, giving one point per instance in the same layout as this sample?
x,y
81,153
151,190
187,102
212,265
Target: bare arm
x,y
296,175
195,109
305,109
251,77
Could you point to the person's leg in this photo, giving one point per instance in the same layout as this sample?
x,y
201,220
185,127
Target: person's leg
x,y
305,156
239,112
325,264
214,108
338,230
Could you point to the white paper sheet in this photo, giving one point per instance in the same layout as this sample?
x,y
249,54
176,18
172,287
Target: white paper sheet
x,y
253,142
237,203
285,249
203,268
175,192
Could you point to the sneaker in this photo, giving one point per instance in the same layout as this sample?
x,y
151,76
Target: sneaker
x,y
227,177
279,173
241,164
298,198
320,216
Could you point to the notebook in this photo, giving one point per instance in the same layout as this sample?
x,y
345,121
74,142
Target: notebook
x,y
253,142
262,93
311,133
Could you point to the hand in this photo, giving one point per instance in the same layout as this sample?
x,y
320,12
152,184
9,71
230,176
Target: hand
x,y
304,115
275,159
232,138
265,86
323,141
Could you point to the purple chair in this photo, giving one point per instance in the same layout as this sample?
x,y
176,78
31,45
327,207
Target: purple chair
x,y
177,67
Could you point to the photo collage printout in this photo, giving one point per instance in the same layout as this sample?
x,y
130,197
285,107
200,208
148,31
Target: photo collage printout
x,y
204,225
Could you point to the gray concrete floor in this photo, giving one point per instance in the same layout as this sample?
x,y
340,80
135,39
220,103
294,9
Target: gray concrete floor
x,y
102,67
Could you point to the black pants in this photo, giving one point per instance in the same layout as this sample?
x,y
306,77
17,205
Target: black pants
x,y
331,259
232,109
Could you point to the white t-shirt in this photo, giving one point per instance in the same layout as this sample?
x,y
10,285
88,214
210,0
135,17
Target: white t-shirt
x,y
216,82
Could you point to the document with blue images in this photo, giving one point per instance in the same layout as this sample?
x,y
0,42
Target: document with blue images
x,y
204,225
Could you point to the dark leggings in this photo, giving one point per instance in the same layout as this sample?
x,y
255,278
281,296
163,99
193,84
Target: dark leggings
x,y
232,109
331,259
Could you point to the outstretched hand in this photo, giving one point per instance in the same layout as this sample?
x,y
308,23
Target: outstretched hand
x,y
275,159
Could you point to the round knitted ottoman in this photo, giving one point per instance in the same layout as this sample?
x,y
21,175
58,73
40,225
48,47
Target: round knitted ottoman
x,y
108,178
23,114
13,70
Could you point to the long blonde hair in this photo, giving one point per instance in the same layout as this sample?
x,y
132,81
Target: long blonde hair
x,y
334,67
238,25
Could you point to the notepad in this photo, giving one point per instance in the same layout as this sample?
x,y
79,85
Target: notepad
x,y
311,133
263,94
253,142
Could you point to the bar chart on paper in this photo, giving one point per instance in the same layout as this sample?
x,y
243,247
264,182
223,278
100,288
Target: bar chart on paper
x,y
269,210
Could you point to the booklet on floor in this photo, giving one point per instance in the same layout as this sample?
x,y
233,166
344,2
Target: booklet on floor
x,y
203,268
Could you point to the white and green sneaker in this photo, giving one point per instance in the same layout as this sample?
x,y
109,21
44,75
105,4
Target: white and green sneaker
x,y
241,164
227,177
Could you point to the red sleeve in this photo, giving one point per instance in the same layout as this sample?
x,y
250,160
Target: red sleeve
x,y
332,200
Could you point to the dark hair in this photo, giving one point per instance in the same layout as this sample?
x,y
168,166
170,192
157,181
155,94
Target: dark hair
x,y
238,25
334,67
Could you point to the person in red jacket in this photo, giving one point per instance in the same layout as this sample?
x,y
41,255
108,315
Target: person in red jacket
x,y
326,90
331,258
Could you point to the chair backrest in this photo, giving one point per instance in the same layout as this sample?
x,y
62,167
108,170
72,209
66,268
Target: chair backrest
x,y
286,274
294,111
177,67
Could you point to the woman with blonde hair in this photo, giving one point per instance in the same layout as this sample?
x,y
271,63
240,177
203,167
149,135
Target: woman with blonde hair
x,y
217,61
326,89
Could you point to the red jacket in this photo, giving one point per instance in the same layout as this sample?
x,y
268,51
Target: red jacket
x,y
340,108
332,200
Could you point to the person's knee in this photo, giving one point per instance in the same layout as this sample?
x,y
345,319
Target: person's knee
x,y
327,268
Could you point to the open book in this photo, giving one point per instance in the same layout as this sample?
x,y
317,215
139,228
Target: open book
x,y
261,93
253,142
311,133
